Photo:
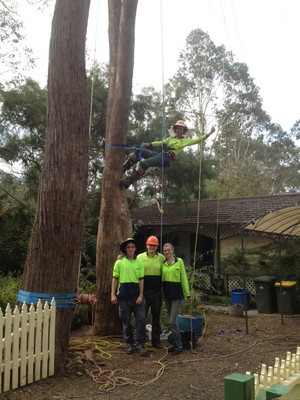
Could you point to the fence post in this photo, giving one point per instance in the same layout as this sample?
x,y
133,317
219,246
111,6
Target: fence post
x,y
239,387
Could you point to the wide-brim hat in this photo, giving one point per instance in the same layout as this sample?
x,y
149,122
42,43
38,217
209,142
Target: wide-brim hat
x,y
125,243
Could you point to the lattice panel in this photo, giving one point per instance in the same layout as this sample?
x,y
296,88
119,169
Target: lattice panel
x,y
205,280
236,282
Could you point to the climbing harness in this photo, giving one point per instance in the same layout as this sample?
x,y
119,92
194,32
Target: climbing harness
x,y
139,148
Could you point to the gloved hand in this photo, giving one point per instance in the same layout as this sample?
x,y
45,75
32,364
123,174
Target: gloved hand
x,y
213,129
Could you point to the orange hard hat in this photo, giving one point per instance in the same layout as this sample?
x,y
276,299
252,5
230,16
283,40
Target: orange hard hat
x,y
181,123
152,240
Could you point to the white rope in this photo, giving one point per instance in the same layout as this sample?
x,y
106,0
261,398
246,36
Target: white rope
x,y
93,77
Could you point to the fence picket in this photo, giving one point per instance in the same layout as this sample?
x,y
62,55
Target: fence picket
x,y
7,348
1,347
284,371
30,347
52,337
38,340
15,354
23,345
45,341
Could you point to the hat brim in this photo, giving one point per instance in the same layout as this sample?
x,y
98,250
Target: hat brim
x,y
125,243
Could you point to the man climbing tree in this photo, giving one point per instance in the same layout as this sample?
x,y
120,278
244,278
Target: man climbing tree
x,y
159,153
114,222
53,258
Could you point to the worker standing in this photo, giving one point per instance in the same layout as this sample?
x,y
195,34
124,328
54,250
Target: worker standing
x,y
175,289
127,290
152,261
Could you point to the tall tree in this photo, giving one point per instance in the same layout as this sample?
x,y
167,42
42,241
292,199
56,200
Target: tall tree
x,y
114,222
55,246
254,156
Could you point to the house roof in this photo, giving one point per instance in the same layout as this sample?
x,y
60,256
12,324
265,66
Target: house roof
x,y
234,211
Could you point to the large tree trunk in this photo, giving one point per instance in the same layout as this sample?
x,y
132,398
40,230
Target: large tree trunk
x,y
113,227
53,258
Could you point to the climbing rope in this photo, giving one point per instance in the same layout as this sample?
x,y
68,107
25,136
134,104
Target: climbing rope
x,y
160,197
93,77
103,346
109,379
202,122
86,299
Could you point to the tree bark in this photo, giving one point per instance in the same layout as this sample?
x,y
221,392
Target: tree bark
x,y
113,226
53,258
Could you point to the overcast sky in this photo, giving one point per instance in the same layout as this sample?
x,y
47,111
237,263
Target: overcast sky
x,y
262,33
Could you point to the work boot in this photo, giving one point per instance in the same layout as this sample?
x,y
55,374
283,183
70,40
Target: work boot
x,y
131,160
157,345
125,183
142,351
129,349
176,352
136,175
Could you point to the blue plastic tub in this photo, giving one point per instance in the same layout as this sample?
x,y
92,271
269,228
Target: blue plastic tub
x,y
241,296
192,322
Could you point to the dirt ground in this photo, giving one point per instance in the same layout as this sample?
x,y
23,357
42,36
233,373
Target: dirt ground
x,y
224,348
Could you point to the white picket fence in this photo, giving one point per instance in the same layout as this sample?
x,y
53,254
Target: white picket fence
x,y
285,371
27,344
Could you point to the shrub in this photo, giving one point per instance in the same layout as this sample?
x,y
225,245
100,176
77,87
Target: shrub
x,y
9,286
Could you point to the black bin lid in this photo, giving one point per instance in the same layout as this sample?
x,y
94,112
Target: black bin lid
x,y
265,278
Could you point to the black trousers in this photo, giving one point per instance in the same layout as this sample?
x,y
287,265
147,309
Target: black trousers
x,y
154,302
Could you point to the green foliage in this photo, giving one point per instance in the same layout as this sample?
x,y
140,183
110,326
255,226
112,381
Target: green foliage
x,y
296,130
9,286
184,174
22,139
16,217
23,119
194,305
273,259
87,280
98,88
145,123
233,259
286,262
88,256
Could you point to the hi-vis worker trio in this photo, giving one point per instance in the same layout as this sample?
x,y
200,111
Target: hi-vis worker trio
x,y
156,154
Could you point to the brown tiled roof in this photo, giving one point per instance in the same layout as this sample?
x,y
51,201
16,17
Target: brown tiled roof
x,y
234,211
